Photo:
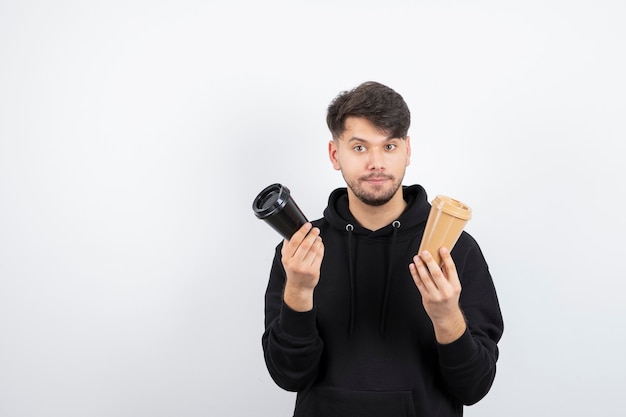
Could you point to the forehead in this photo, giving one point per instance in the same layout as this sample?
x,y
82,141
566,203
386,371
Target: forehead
x,y
359,128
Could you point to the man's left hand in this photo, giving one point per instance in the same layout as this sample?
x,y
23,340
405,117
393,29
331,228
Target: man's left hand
x,y
440,288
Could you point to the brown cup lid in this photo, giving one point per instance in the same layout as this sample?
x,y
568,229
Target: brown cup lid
x,y
452,207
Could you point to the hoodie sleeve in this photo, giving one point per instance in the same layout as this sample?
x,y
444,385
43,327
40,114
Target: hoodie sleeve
x,y
291,344
468,365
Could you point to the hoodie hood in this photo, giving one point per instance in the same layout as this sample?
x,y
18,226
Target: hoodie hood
x,y
410,222
412,219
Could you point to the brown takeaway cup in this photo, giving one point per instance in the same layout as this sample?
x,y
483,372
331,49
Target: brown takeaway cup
x,y
446,221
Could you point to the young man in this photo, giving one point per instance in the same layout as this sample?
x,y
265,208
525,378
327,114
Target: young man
x,y
357,322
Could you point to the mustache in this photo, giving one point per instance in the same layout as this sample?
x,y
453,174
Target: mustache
x,y
376,177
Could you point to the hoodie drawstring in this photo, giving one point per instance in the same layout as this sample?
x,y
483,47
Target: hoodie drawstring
x,y
392,249
385,306
349,229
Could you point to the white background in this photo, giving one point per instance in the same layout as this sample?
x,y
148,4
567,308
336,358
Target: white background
x,y
134,136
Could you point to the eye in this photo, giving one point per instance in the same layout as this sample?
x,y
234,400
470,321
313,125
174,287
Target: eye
x,y
390,146
359,148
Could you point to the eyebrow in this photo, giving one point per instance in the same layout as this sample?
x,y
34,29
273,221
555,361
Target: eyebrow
x,y
358,139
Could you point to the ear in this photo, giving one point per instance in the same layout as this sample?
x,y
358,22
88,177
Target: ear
x,y
332,154
408,150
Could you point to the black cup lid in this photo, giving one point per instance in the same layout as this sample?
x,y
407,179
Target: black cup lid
x,y
272,199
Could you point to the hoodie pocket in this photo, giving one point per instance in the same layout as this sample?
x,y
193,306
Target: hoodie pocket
x,y
337,402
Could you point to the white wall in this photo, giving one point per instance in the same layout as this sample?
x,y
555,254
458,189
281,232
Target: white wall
x,y
135,134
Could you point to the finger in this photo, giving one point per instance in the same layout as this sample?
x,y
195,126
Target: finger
x,y
435,271
449,268
423,277
290,246
417,279
318,251
303,251
311,254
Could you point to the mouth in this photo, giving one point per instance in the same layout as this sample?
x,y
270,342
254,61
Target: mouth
x,y
376,180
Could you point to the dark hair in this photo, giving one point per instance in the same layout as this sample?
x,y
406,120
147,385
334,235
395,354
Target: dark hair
x,y
379,104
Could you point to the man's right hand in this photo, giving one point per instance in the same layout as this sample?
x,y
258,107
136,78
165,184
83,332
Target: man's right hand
x,y
302,259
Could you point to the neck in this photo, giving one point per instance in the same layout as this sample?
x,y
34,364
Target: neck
x,y
376,217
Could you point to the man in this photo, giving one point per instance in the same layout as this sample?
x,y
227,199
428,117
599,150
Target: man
x,y
357,322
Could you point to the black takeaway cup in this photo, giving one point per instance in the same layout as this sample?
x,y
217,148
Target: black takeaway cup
x,y
275,206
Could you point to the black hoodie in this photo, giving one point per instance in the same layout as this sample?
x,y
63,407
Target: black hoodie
x,y
368,348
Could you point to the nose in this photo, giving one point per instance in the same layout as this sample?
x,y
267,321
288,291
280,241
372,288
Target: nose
x,y
375,159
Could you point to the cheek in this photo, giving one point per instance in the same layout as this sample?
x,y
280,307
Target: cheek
x,y
345,162
405,159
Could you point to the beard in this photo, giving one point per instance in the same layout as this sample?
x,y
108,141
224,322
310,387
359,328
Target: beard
x,y
379,195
